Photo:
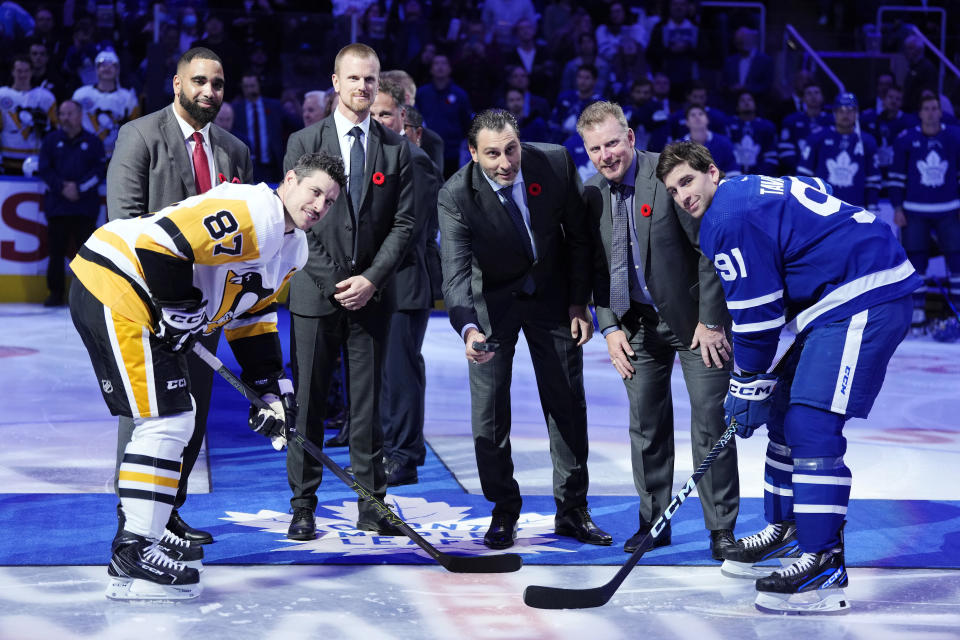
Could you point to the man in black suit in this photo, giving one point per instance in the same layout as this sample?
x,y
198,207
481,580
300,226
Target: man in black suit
x,y
261,121
656,297
409,295
158,161
336,300
516,255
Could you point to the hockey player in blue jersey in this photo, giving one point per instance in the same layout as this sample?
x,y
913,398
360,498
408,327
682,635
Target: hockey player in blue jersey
x,y
790,253
845,157
754,138
925,196
798,127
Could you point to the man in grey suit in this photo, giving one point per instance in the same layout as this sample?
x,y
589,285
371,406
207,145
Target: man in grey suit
x,y
162,158
409,295
336,300
516,256
658,297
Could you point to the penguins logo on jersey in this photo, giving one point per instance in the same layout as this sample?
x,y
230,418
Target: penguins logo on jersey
x,y
241,291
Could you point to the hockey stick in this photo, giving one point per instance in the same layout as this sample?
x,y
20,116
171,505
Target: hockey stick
x,y
500,563
541,597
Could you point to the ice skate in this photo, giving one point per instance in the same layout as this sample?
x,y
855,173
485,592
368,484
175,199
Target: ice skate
x,y
140,570
182,550
812,585
775,542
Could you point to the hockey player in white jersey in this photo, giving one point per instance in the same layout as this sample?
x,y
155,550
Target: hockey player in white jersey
x,y
146,287
107,105
27,113
787,251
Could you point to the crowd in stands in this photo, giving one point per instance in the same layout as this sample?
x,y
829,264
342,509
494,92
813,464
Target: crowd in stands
x,y
543,60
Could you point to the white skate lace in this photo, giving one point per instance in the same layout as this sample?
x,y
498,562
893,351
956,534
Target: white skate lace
x,y
806,561
770,533
173,540
155,554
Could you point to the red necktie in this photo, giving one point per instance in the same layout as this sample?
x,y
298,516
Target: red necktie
x,y
201,167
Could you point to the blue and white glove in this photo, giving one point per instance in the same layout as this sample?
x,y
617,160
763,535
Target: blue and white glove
x,y
749,402
179,323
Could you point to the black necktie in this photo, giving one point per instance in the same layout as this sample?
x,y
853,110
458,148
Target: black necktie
x,y
356,168
619,249
517,219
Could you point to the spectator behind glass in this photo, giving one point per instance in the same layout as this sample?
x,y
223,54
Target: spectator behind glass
x,y
44,73
567,39
533,128
533,105
675,46
46,31
749,69
587,54
620,25
477,67
314,107
501,16
78,67
541,67
446,109
556,16
215,38
158,67
921,73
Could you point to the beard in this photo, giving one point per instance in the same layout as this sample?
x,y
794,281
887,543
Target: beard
x,y
202,115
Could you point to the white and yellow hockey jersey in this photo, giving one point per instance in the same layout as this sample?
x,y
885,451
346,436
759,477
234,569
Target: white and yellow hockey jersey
x,y
105,111
27,116
232,240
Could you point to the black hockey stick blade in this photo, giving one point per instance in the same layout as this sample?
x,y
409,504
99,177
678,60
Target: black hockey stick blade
x,y
542,597
499,563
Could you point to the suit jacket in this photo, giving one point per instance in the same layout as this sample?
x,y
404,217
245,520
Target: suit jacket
x,y
385,225
759,78
411,286
432,144
151,167
681,280
273,113
485,264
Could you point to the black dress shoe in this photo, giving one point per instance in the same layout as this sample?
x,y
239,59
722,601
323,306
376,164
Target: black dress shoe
x,y
382,525
180,528
302,525
342,439
578,524
502,531
398,474
663,540
721,541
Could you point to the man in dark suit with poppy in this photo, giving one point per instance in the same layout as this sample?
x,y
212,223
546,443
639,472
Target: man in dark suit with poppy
x,y
516,255
336,300
657,296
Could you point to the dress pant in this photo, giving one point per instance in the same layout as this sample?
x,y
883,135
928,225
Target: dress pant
x,y
404,388
558,368
201,384
60,229
651,421
316,343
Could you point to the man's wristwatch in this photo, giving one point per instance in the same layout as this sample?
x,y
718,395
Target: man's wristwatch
x,y
712,327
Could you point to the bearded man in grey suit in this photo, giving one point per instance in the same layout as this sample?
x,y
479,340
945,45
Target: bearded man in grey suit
x,y
336,301
162,158
516,256
657,296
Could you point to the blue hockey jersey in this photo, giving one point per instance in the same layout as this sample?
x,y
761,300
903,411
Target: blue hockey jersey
x,y
847,161
885,131
754,145
788,251
923,178
796,129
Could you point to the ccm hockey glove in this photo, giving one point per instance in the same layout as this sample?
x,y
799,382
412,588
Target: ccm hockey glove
x,y
274,422
749,401
179,323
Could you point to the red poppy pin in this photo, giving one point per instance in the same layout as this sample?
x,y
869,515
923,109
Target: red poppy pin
x,y
534,189
378,178
222,178
646,210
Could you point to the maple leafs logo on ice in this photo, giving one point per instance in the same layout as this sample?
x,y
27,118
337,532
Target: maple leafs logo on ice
x,y
746,151
449,528
842,171
932,170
